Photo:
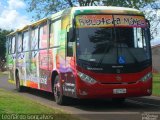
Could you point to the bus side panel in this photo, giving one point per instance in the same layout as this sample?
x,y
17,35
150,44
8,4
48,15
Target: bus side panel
x,y
57,55
56,52
11,57
44,73
11,67
69,85
21,66
31,71
45,81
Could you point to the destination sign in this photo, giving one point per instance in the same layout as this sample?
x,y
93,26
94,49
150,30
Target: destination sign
x,y
85,21
129,21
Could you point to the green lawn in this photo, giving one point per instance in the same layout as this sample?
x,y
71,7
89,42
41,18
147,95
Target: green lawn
x,y
156,84
12,103
3,73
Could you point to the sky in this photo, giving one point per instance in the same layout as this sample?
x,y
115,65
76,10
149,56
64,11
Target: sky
x,y
13,15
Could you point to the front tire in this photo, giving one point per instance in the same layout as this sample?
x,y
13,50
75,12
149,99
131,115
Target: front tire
x,y
58,95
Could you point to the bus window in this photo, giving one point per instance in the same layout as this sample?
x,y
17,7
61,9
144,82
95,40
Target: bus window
x,y
13,44
57,34
25,41
19,43
34,39
139,39
51,39
43,37
9,45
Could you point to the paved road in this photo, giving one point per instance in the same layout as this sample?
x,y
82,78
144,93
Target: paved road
x,y
147,108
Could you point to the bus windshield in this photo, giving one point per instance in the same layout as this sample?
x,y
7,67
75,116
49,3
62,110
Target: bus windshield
x,y
131,44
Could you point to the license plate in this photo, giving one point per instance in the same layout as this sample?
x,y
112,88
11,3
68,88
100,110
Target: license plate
x,y
119,91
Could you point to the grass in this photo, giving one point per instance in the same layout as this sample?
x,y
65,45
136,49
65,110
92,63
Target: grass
x,y
156,84
3,73
11,103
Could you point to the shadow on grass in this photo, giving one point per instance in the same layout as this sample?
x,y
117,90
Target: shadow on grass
x,y
39,93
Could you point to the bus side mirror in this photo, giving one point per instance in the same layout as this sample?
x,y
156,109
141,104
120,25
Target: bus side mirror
x,y
71,35
70,49
70,40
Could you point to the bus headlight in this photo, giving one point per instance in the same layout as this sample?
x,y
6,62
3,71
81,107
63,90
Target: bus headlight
x,y
146,77
86,78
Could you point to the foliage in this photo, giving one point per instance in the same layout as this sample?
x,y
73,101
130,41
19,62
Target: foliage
x,y
128,3
43,8
156,84
3,34
154,18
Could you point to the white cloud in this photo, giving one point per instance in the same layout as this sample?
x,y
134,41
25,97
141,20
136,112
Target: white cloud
x,y
10,17
155,41
158,13
15,4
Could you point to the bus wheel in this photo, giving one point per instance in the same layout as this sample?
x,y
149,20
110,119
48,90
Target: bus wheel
x,y
18,86
59,98
118,100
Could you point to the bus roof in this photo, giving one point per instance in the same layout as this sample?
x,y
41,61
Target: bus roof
x,y
106,10
83,10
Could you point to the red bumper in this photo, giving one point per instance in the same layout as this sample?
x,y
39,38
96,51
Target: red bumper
x,y
99,90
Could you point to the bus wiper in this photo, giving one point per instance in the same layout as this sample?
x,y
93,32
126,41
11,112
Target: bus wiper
x,y
110,44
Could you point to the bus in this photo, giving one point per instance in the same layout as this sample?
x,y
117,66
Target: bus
x,y
84,53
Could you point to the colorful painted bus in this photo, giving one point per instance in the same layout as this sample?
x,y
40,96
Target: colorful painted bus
x,y
84,53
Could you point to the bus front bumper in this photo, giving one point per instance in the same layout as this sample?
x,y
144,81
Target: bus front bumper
x,y
98,90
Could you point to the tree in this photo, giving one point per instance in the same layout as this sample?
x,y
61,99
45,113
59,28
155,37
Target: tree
x,y
3,34
43,8
154,17
129,3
